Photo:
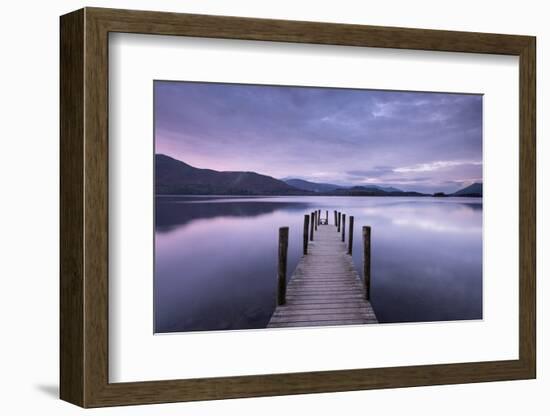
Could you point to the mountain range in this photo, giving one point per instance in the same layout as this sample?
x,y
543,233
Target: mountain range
x,y
328,187
174,177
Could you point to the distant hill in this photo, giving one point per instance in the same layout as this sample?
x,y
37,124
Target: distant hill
x,y
382,188
175,177
475,190
373,191
311,186
329,187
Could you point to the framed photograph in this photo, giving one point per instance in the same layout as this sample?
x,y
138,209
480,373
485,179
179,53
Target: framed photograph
x,y
255,207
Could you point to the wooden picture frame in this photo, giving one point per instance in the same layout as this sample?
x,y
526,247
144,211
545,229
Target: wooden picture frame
x,y
84,207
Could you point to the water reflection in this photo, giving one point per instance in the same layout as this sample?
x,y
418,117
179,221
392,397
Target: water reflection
x,y
215,262
176,211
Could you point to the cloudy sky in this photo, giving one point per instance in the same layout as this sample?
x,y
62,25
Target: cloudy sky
x,y
414,141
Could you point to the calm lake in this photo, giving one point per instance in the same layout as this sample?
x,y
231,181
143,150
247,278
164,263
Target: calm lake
x,y
216,257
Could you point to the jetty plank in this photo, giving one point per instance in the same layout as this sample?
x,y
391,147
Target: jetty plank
x,y
325,288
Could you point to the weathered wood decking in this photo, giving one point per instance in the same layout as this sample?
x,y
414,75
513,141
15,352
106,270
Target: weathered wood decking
x,y
325,288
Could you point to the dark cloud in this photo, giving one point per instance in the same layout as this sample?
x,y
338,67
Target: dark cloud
x,y
334,135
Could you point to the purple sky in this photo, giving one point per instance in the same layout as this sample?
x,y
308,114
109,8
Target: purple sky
x,y
414,141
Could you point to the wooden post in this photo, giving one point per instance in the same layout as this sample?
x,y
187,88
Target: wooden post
x,y
311,226
335,218
350,236
343,227
366,260
306,230
339,220
316,217
326,217
281,278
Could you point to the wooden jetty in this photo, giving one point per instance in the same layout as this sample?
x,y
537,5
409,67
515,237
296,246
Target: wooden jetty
x,y
325,288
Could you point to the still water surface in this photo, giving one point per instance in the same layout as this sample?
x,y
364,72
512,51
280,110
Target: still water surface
x,y
216,257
